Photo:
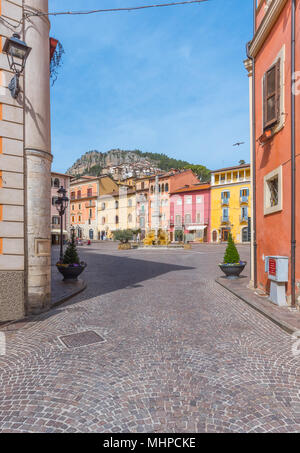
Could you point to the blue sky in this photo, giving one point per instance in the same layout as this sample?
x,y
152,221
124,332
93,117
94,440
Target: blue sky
x,y
166,80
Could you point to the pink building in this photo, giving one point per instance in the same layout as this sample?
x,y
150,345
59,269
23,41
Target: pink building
x,y
59,180
168,183
190,213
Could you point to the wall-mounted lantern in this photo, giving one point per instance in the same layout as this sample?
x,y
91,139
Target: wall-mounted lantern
x,y
17,53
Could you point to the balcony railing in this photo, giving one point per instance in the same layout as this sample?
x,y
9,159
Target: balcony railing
x,y
244,200
225,201
90,205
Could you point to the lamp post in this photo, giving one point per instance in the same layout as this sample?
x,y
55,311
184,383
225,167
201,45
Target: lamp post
x,y
61,206
17,53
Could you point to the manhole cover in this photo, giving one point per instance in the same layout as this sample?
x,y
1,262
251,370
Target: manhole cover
x,y
76,340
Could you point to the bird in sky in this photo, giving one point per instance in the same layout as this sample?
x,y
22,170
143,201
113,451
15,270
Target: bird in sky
x,y
238,144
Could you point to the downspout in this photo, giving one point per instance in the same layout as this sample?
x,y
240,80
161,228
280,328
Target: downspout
x,y
293,163
253,152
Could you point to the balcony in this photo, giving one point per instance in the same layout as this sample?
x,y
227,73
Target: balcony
x,y
225,201
225,220
244,200
243,218
90,205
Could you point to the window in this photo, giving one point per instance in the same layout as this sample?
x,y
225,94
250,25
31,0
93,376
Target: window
x,y
129,218
73,207
142,185
79,218
179,201
178,220
188,200
79,207
56,183
103,206
163,188
103,221
72,195
90,192
167,187
91,213
117,219
188,218
79,194
198,217
244,213
54,200
225,195
130,203
199,199
225,214
55,220
273,191
272,95
73,219
116,204
142,222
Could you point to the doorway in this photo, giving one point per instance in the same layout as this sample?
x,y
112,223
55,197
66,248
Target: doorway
x,y
225,234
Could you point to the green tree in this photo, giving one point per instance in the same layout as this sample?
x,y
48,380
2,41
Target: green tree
x,y
71,255
231,254
242,162
201,171
124,236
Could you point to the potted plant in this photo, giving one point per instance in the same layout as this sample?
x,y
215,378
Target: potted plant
x,y
71,267
124,236
232,266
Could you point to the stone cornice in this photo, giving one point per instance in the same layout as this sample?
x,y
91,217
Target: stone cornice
x,y
266,25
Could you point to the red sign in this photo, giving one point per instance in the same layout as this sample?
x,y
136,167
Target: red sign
x,y
272,267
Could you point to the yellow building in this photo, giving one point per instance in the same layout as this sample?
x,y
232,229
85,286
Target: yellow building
x,y
231,203
116,211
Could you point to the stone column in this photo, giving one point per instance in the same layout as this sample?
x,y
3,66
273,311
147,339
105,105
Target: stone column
x,y
37,160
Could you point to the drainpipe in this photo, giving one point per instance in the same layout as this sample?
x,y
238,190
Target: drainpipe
x,y
253,152
293,163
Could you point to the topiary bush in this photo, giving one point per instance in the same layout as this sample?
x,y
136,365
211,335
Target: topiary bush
x,y
71,255
231,254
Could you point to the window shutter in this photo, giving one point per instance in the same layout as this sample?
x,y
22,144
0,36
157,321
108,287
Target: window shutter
x,y
278,90
271,96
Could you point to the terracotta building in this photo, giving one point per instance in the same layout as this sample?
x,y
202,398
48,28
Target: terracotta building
x,y
273,65
84,192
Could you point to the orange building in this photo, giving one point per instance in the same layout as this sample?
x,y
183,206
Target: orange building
x,y
273,62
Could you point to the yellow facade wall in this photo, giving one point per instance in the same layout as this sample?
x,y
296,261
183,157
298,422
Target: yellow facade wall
x,y
234,209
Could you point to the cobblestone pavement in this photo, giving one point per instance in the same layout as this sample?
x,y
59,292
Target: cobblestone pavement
x,y
181,354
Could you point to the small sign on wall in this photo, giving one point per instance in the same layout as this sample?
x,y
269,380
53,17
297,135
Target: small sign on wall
x,y
42,247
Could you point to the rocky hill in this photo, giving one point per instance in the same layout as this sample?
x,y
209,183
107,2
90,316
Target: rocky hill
x,y
93,162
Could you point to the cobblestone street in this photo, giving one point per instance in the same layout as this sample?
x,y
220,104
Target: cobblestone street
x,y
181,354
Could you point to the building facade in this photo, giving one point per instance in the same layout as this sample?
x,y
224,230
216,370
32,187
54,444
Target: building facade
x,y
190,214
273,66
25,167
168,183
84,193
59,180
231,204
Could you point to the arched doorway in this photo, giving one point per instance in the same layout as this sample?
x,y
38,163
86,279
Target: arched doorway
x,y
91,234
245,235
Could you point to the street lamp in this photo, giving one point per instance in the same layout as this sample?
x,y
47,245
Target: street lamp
x,y
61,206
17,53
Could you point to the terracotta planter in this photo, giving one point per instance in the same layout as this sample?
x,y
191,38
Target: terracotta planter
x,y
71,272
232,271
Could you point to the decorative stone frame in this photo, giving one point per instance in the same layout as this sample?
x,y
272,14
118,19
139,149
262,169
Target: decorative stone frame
x,y
271,209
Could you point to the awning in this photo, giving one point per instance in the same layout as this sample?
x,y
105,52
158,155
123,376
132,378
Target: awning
x,y
58,232
197,228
